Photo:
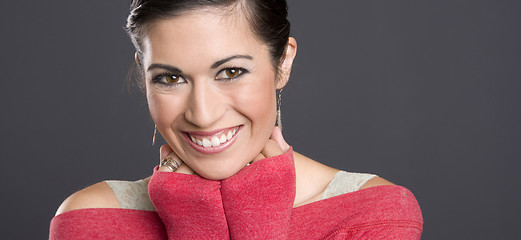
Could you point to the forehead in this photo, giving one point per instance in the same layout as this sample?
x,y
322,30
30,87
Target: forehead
x,y
201,35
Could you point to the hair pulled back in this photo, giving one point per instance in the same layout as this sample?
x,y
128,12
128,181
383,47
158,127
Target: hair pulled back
x,y
267,19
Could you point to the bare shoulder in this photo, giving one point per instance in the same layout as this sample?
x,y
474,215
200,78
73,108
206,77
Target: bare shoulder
x,y
99,195
376,181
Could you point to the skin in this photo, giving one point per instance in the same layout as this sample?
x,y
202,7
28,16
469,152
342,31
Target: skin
x,y
203,98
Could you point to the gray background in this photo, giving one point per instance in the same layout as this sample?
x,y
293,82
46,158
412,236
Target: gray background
x,y
423,93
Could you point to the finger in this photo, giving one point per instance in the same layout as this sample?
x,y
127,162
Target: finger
x,y
183,168
276,135
271,149
259,157
164,150
167,152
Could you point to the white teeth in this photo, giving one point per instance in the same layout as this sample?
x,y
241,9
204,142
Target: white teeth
x,y
216,142
229,135
206,143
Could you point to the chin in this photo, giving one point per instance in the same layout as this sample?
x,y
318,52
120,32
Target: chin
x,y
216,175
220,172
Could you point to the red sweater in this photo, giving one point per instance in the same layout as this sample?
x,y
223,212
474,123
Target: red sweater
x,y
255,203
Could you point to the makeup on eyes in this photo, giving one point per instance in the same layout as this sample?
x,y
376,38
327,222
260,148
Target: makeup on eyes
x,y
168,79
237,73
171,79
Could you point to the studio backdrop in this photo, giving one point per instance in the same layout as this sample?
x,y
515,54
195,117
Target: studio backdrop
x,y
423,93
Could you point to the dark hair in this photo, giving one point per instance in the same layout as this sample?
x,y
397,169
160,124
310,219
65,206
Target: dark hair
x,y
267,19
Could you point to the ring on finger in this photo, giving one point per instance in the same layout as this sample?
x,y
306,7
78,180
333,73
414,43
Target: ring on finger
x,y
171,163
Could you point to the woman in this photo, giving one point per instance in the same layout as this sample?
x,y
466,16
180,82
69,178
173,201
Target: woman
x,y
211,71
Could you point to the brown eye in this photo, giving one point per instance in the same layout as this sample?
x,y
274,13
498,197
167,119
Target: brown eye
x,y
230,73
172,79
168,79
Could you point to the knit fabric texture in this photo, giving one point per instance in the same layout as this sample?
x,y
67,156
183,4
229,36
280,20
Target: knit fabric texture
x,y
255,203
107,223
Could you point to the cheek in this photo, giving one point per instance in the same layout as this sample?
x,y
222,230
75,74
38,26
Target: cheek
x,y
162,110
257,103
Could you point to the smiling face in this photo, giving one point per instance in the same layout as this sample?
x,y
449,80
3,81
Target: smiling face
x,y
210,85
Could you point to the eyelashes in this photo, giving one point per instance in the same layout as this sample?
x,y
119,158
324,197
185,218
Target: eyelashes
x,y
224,75
229,74
168,79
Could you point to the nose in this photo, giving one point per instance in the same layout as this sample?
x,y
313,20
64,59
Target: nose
x,y
206,105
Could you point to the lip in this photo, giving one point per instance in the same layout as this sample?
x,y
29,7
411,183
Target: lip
x,y
209,133
212,150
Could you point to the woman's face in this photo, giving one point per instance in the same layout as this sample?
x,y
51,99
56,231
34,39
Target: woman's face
x,y
210,87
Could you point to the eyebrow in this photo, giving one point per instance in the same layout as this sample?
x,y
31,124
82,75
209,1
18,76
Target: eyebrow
x,y
222,61
215,65
164,66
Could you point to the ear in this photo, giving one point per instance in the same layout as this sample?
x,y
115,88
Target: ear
x,y
287,62
140,74
136,58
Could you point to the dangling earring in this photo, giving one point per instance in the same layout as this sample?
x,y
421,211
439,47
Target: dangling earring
x,y
279,100
154,137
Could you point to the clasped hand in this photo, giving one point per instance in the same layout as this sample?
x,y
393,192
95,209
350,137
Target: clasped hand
x,y
275,146
256,202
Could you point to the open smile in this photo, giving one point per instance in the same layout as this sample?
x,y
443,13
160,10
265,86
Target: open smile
x,y
213,141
